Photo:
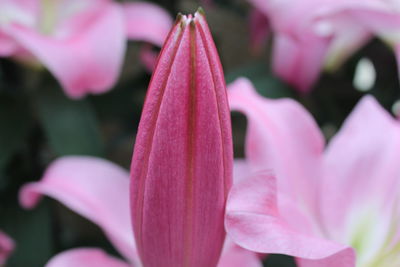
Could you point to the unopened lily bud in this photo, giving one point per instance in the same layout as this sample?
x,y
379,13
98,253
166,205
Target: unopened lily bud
x,y
181,170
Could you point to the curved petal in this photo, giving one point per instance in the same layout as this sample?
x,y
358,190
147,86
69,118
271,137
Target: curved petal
x,y
85,257
253,221
96,189
360,188
88,61
354,23
281,133
299,61
342,258
379,17
345,43
147,22
235,256
241,170
299,50
7,45
309,29
6,247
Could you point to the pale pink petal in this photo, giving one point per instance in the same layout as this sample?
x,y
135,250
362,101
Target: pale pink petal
x,y
361,172
6,247
146,22
379,17
15,11
235,256
345,44
88,61
253,221
281,133
241,170
354,23
299,61
342,258
85,257
294,19
7,45
96,189
22,8
298,50
309,29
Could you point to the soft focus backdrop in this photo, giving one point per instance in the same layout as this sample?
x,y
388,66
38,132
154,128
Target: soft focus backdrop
x,y
38,122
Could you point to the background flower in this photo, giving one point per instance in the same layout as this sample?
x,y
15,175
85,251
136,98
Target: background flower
x,y
327,203
312,35
81,42
6,247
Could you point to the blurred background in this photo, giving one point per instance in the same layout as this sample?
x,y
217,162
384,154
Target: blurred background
x,y
39,123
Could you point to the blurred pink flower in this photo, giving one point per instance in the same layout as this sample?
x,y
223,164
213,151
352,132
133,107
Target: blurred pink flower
x,y
325,205
181,169
81,42
313,34
6,247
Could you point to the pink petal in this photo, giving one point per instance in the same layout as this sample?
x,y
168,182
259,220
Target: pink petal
x,y
241,170
298,50
182,163
235,256
88,61
377,16
346,43
85,257
148,57
146,22
23,7
307,30
361,166
96,189
368,18
6,247
7,45
281,133
253,222
342,258
259,30
354,23
299,61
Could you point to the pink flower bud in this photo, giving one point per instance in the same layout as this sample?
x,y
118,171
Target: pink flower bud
x,y
182,163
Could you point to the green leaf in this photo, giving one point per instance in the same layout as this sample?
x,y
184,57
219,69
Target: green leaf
x,y
14,126
70,125
266,84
